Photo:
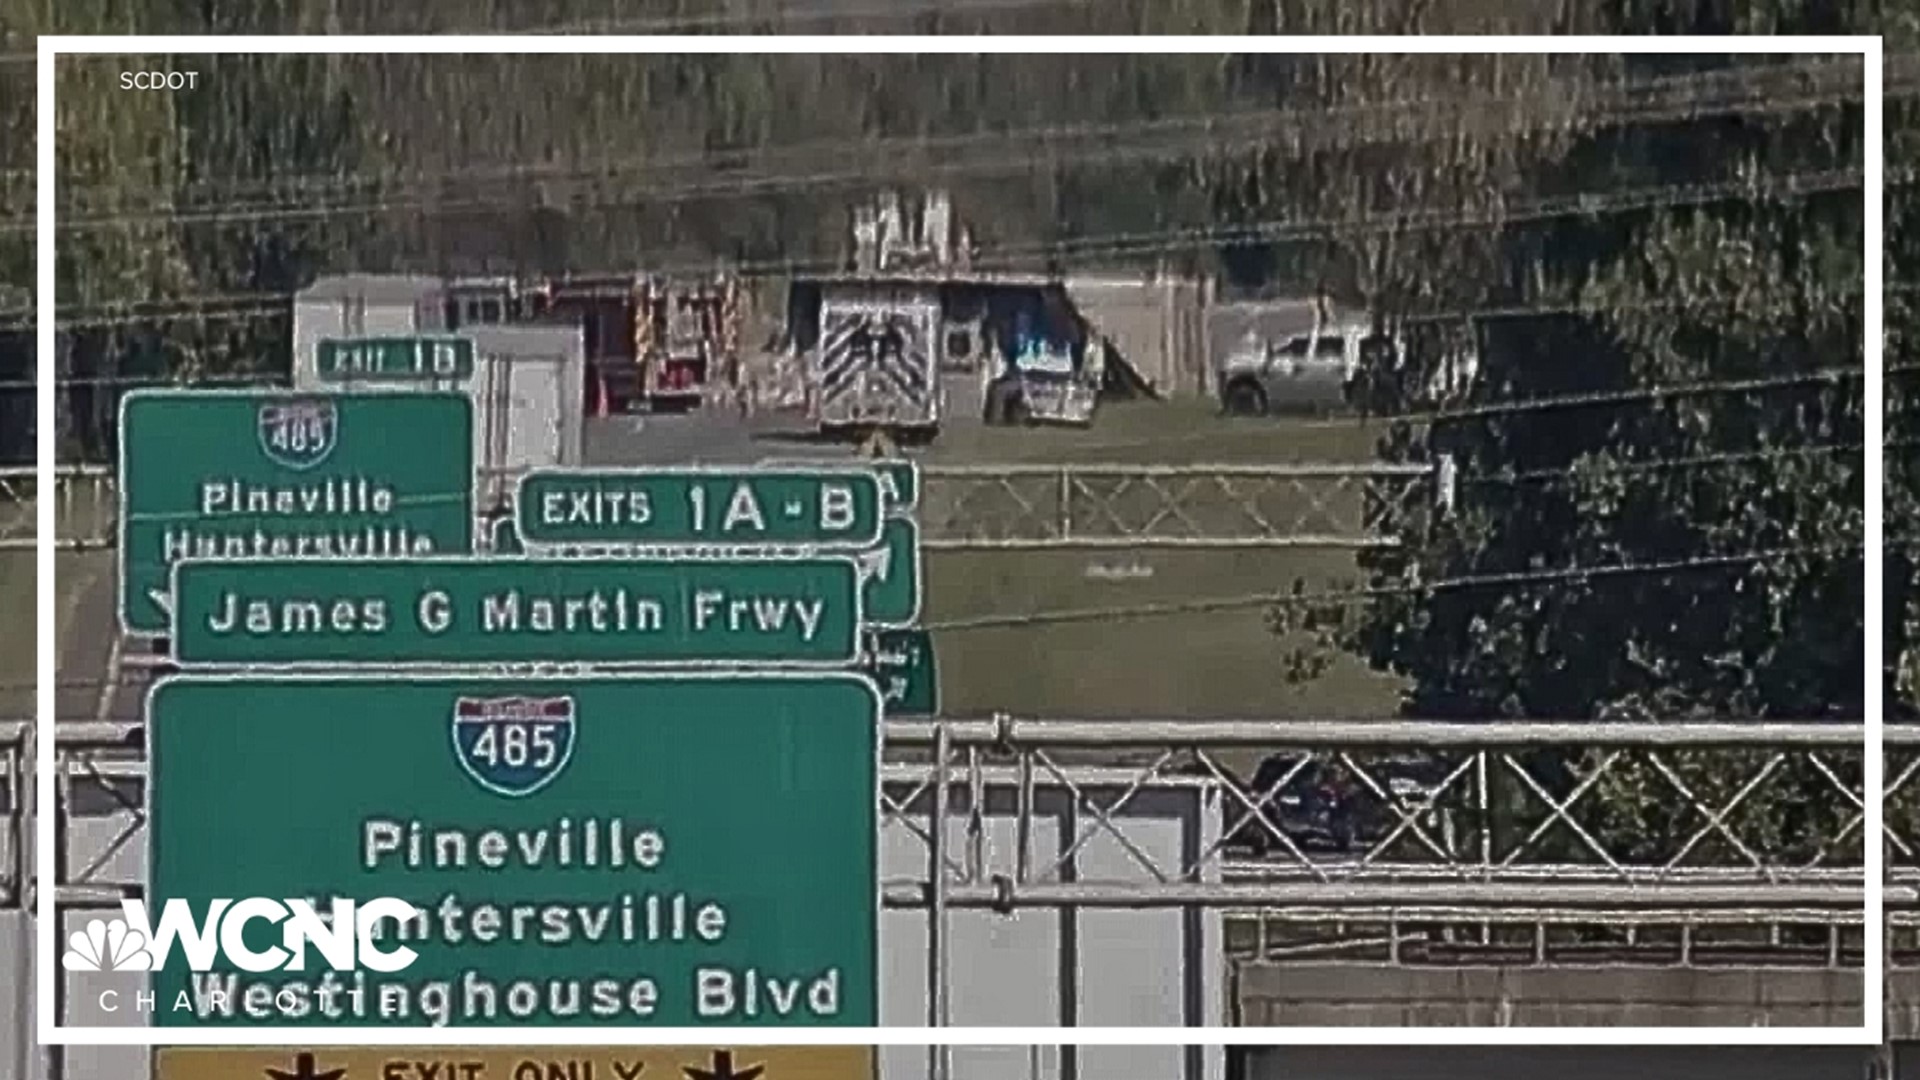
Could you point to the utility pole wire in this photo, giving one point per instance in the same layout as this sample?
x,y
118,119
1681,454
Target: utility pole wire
x,y
704,188
1162,241
1524,405
1624,102
1832,375
722,19
249,306
1653,465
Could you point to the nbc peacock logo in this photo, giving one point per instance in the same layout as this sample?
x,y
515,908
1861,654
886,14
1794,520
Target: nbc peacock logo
x,y
107,946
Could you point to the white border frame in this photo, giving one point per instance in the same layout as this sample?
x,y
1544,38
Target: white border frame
x,y
1873,978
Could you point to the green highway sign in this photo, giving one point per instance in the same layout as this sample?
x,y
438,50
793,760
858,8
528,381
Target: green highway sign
x,y
901,481
738,508
899,478
372,473
400,612
395,358
616,850
902,666
891,571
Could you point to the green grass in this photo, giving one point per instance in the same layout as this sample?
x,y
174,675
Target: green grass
x,y
1212,664
1184,432
75,574
1204,664
17,640
17,645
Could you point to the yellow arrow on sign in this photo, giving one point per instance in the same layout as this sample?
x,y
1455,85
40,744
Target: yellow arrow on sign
x,y
524,1063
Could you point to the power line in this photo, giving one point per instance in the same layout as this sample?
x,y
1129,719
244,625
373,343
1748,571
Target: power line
x,y
1517,406
1652,393
891,10
246,304
1510,579
703,188
260,379
1640,468
1589,204
713,20
1521,579
1549,477
1746,91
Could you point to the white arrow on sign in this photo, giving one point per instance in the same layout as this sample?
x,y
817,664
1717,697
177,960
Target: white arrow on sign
x,y
162,601
876,563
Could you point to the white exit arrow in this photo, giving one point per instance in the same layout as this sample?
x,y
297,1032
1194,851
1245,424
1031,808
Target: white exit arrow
x,y
162,601
876,563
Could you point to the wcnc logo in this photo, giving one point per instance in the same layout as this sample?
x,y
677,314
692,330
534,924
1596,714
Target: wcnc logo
x,y
344,938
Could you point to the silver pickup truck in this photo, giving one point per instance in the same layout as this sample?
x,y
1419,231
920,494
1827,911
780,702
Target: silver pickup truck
x,y
1308,373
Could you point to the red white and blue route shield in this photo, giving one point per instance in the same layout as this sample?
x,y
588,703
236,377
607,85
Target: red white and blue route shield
x,y
514,746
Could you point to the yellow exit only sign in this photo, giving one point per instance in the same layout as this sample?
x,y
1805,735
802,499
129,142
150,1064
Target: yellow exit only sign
x,y
531,1063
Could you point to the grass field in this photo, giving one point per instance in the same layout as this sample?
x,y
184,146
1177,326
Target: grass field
x,y
17,641
76,574
1181,432
1215,664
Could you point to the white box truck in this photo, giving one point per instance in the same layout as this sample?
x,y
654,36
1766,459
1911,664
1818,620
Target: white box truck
x,y
528,387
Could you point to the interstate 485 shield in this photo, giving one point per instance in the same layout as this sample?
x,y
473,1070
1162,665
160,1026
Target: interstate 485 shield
x,y
618,850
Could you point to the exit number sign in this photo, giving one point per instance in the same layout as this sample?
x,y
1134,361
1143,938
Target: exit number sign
x,y
821,508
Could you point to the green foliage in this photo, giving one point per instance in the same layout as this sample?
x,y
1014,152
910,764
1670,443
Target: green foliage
x,y
1901,580
1740,293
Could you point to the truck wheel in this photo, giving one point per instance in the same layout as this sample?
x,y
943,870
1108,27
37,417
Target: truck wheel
x,y
1245,399
1000,399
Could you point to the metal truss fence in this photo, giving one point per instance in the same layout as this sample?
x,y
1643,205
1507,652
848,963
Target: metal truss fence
x,y
1682,843
995,507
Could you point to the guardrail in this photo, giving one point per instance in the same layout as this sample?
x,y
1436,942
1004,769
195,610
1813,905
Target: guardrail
x,y
1014,507
994,507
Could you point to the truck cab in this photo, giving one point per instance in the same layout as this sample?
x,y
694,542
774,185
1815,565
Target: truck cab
x,y
1312,372
607,310
1045,379
482,302
689,334
1044,384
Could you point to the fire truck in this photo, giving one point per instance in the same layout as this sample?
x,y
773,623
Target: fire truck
x,y
652,343
688,339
